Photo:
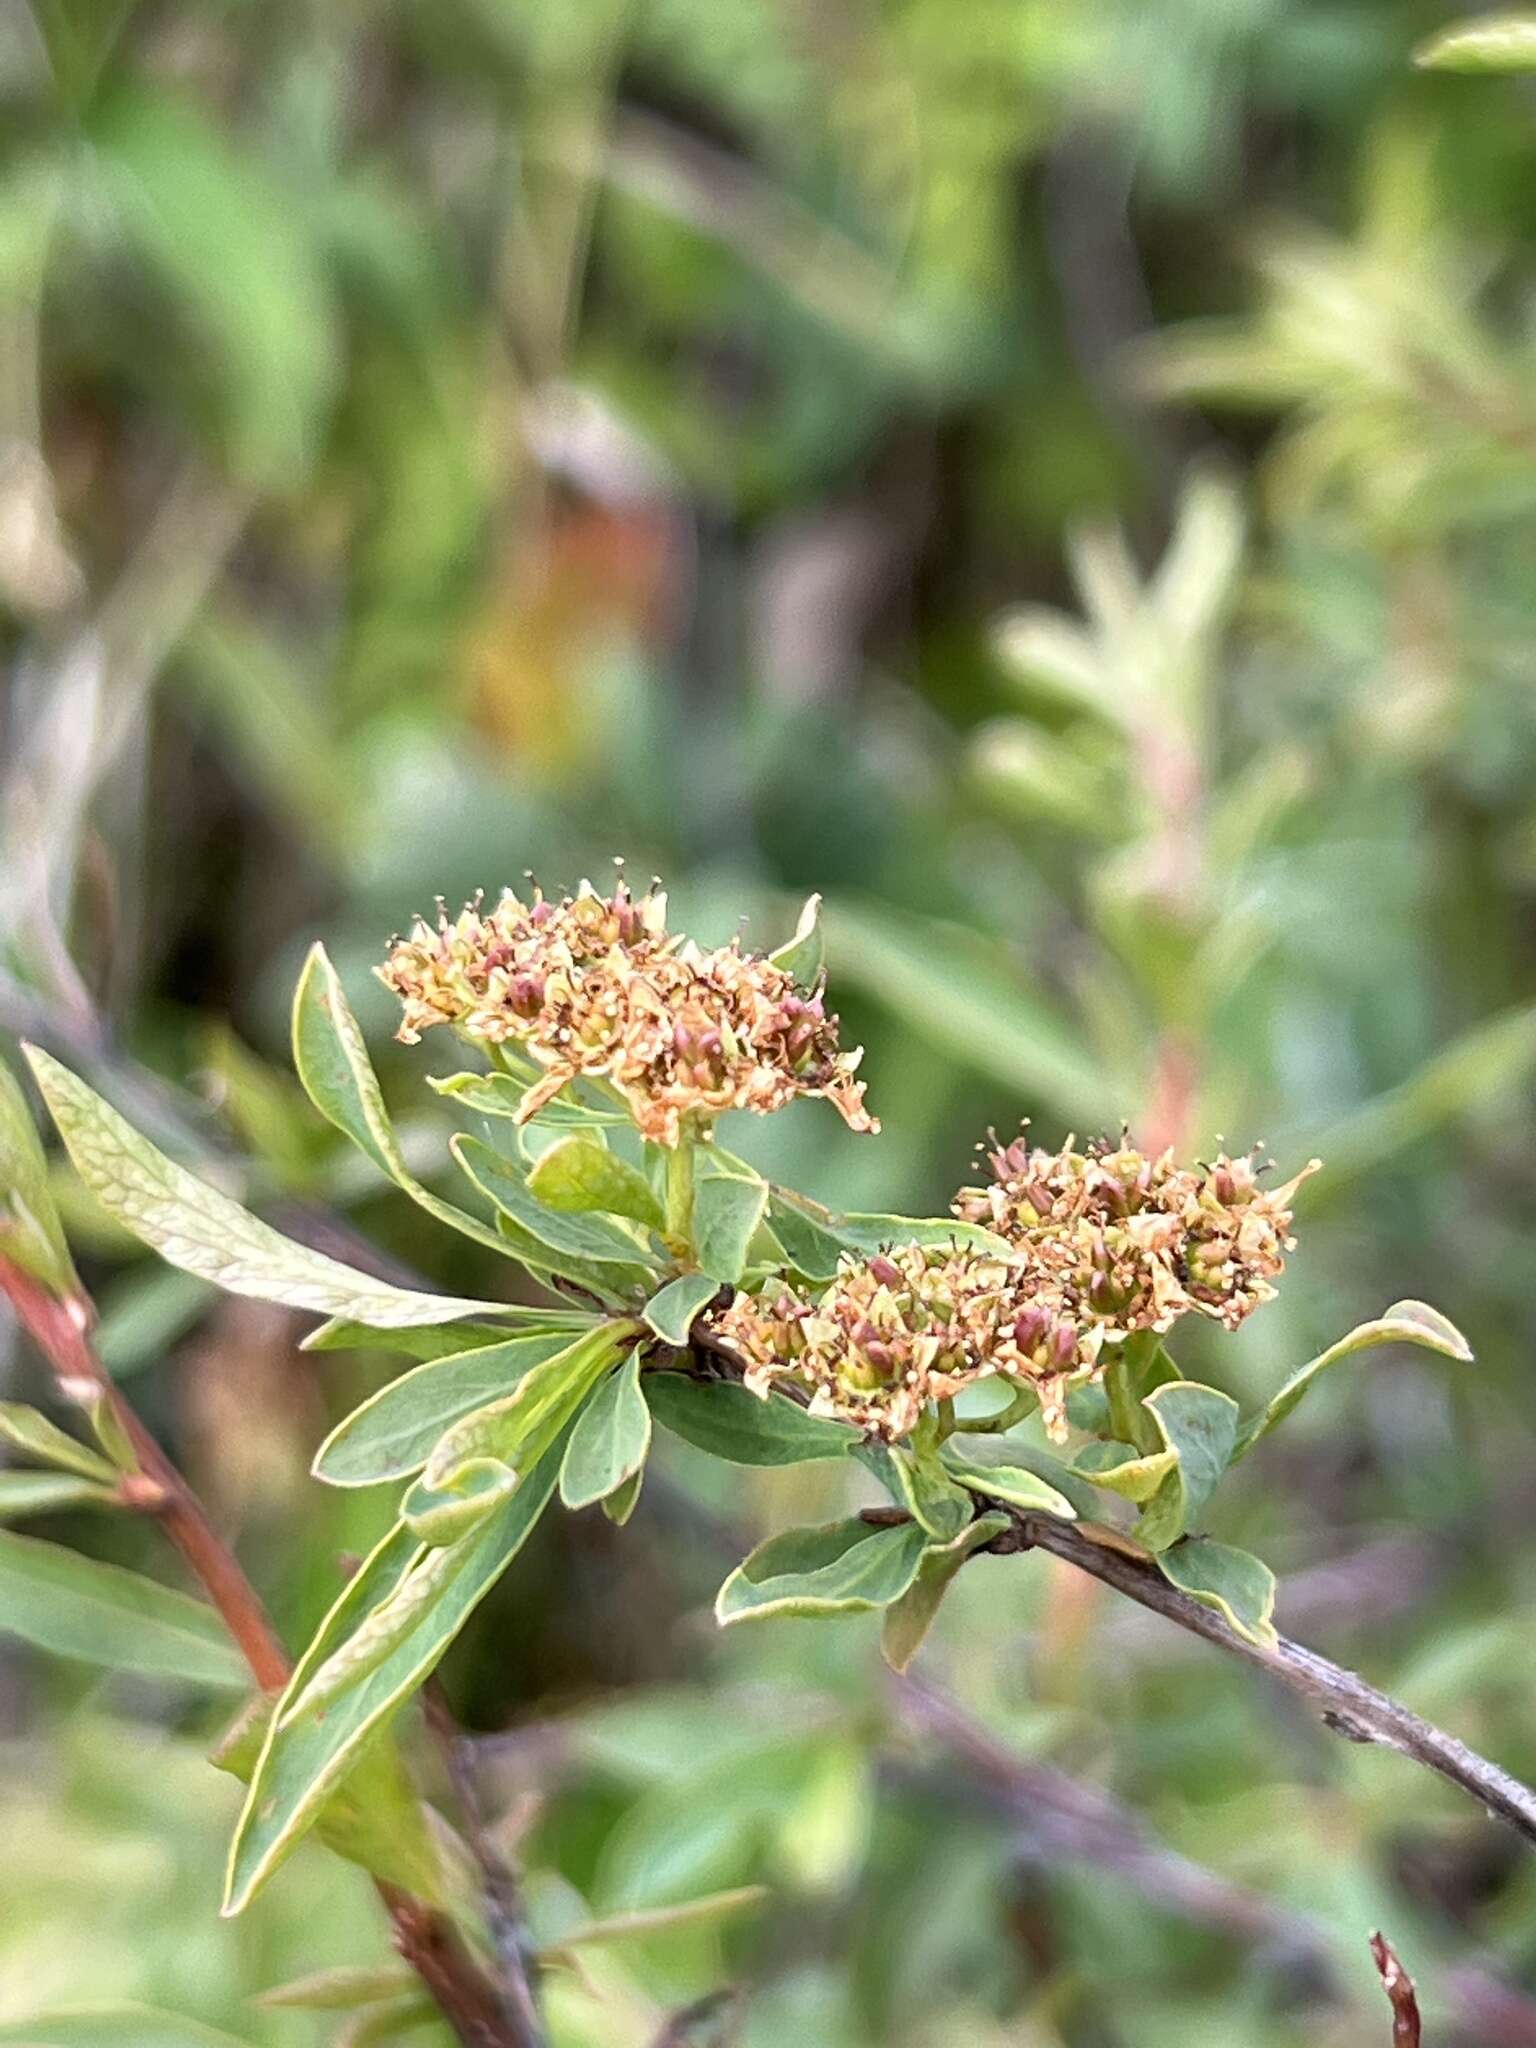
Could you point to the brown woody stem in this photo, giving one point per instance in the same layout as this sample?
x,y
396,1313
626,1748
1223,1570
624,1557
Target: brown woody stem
x,y
1349,1706
470,2003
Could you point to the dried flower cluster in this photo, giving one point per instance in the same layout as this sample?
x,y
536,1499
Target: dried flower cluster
x,y
595,985
1135,1243
892,1333
1102,1244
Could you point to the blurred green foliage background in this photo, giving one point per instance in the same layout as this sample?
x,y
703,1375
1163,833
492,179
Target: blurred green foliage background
x,y
1059,477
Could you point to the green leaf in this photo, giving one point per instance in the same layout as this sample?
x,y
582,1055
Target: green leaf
x,y
424,1586
191,1225
330,1056
1122,1469
597,1252
443,1515
30,1432
619,1505
101,1614
517,1430
670,1312
374,1818
578,1174
611,1439
1011,1458
341,1990
838,1568
955,990
729,1201
1012,1483
908,1620
1405,1322
502,1095
50,1493
1239,1586
393,1433
145,1313
928,1493
443,1340
1199,1425
384,2026
301,1765
722,1418
1486,1063
239,263
114,2026
814,1239
1486,42
656,1920
803,957
31,1235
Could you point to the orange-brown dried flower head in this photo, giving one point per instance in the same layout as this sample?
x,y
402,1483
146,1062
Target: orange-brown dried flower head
x,y
909,1326
595,985
1136,1242
1100,1244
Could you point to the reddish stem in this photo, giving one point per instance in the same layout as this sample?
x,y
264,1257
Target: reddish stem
x,y
426,1938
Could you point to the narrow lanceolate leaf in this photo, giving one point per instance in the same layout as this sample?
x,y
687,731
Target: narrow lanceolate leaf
x,y
724,1419
114,2026
611,1439
517,1430
302,1764
191,1225
656,1920
373,1818
31,1235
839,1568
999,1480
443,1340
50,1493
381,1631
814,1239
1239,1586
579,1174
101,1614
1405,1322
330,1056
503,1095
393,1433
1487,42
1199,1425
729,1202
30,1432
803,956
341,1990
595,1251
908,1620
670,1312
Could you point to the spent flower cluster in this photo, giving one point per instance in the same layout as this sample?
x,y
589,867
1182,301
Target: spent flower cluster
x,y
1101,1244
595,986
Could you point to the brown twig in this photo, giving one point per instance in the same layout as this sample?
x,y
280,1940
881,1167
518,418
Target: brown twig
x,y
500,1891
1061,1818
1349,1706
1057,1818
1406,2030
470,2003
681,2030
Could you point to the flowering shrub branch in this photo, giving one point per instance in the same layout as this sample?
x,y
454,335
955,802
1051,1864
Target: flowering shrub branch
x,y
685,1292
